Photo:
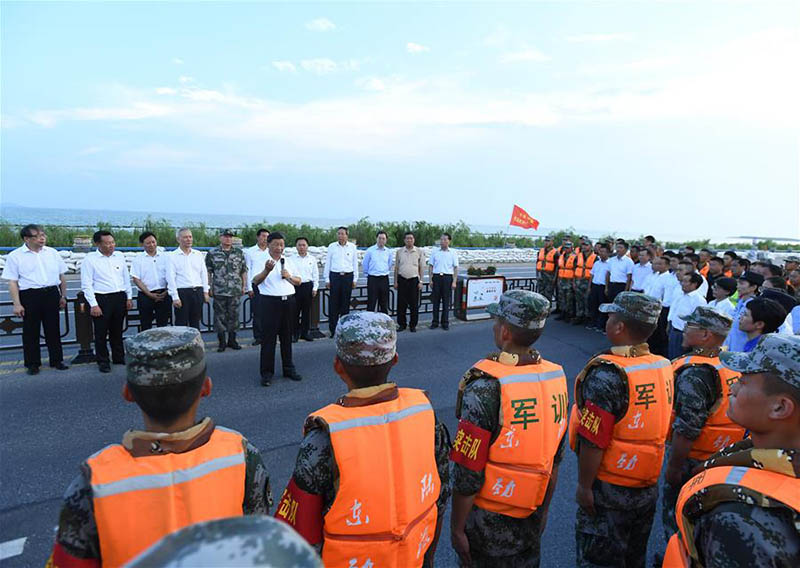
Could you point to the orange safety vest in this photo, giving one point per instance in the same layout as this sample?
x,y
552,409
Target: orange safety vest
x,y
533,409
584,266
384,513
566,267
546,260
139,500
634,456
755,483
719,430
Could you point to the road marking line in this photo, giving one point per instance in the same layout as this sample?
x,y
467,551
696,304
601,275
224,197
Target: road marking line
x,y
12,548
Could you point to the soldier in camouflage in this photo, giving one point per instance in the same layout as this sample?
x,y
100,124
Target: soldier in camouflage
x,y
165,367
364,340
227,272
564,285
697,394
254,541
546,280
737,527
484,538
613,522
582,285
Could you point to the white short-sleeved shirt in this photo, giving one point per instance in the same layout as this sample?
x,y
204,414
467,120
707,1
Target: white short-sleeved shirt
x,y
641,273
255,259
443,261
599,271
151,270
620,268
34,269
275,284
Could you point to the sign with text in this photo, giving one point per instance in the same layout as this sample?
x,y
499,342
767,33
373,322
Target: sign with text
x,y
484,291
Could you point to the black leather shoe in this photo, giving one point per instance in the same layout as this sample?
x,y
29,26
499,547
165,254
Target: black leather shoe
x,y
32,370
104,368
434,325
307,338
220,348
61,366
401,328
412,329
293,376
446,327
266,380
295,339
233,344
256,342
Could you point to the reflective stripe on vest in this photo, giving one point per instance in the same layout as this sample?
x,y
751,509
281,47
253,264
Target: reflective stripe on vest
x,y
533,406
546,260
583,268
566,267
719,430
139,500
384,513
635,453
755,482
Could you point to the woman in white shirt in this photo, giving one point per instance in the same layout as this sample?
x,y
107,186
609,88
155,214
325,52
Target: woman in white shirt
x,y
723,289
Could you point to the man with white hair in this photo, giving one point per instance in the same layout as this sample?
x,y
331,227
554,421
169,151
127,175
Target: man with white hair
x,y
187,280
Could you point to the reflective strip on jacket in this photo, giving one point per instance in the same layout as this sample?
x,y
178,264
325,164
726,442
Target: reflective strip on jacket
x,y
719,430
384,513
634,456
139,500
546,262
583,268
534,404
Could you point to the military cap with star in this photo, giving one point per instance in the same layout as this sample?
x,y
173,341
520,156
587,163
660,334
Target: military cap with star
x,y
365,339
227,233
634,305
522,308
164,356
709,319
775,354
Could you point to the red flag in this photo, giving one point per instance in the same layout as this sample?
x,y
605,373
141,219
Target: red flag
x,y
520,218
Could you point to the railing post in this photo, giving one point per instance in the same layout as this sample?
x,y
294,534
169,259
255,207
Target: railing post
x,y
83,331
313,328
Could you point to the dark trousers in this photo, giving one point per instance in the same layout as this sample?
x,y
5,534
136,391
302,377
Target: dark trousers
x,y
276,322
149,308
109,325
341,287
597,296
191,307
302,319
41,310
614,288
442,293
255,311
378,293
675,348
407,297
658,342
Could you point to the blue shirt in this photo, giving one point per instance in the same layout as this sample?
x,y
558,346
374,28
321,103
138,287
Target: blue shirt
x,y
737,339
751,344
443,261
377,261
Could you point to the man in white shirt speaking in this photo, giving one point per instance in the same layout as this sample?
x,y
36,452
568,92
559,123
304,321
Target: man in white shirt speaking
x,y
341,275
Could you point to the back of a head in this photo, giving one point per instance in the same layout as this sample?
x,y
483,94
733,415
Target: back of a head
x,y
366,346
523,313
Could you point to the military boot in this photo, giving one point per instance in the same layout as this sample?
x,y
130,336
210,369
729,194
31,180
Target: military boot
x,y
232,341
220,342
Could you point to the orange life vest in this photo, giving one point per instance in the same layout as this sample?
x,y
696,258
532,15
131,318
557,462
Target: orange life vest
x,y
719,430
704,271
634,456
583,268
753,482
546,261
384,513
566,266
533,409
139,500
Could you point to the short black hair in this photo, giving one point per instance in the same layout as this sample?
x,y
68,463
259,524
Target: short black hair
x,y
768,311
520,336
449,238
774,385
262,230
381,232
777,282
637,329
165,404
695,258
408,233
28,229
716,259
604,246
730,253
686,262
622,242
775,270
705,250
343,228
98,235
650,238
644,249
146,235
688,247
368,375
743,262
696,279
298,239
275,236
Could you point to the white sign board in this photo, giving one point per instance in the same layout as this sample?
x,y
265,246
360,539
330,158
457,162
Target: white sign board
x,y
484,291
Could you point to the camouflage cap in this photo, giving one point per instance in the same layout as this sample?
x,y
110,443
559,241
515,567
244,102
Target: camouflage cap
x,y
252,540
165,356
566,244
792,258
776,354
548,237
522,308
227,232
635,305
709,319
365,338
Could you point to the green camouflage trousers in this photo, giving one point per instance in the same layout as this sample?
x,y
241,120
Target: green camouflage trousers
x,y
613,537
546,281
669,496
226,314
566,298
581,300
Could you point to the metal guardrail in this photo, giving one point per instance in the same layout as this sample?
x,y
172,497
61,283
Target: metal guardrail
x,y
75,316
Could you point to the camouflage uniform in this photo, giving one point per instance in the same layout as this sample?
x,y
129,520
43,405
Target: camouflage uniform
x,y
362,339
157,357
566,291
617,534
497,540
252,541
545,284
582,297
225,270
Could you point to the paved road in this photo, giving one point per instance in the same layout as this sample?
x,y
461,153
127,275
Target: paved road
x,y
53,421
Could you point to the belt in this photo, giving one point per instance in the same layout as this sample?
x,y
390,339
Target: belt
x,y
443,274
42,289
276,298
109,293
195,288
377,276
344,273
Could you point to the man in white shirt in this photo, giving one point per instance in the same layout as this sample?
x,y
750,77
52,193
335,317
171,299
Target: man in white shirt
x,y
341,275
443,273
107,286
308,271
620,272
149,273
642,271
683,306
656,287
38,289
256,256
187,280
276,283
597,293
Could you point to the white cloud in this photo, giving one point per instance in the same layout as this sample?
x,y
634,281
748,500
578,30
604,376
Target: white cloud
x,y
186,79
136,111
639,65
528,54
412,47
371,84
320,25
499,37
284,66
177,61
165,91
320,65
599,38
91,150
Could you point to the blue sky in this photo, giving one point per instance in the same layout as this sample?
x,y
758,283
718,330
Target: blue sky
x,y
637,116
